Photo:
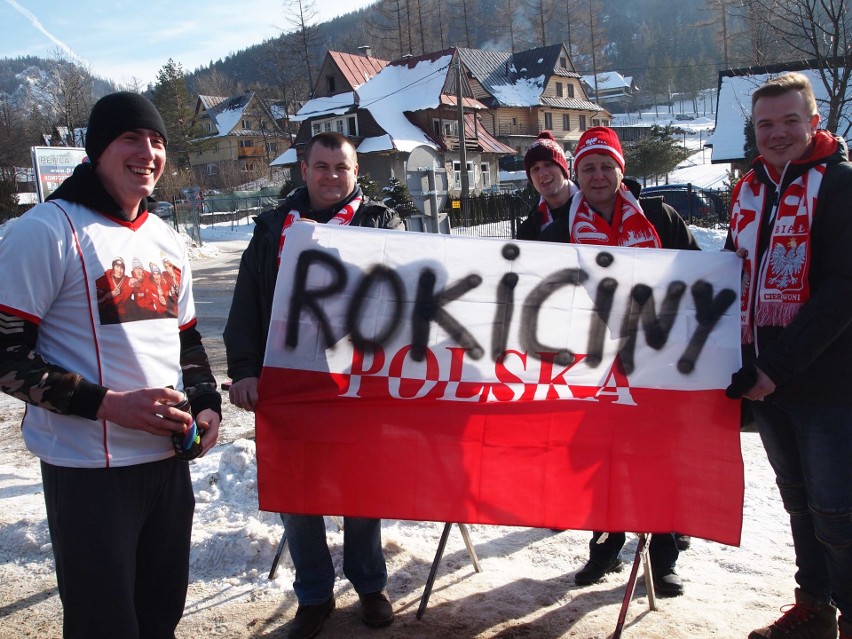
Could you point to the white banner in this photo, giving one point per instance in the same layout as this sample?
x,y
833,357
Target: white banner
x,y
520,317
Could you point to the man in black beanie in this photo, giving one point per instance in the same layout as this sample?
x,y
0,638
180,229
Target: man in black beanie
x,y
102,385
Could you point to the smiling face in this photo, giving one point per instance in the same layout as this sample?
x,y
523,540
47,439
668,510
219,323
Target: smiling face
x,y
783,128
330,174
599,177
130,167
548,179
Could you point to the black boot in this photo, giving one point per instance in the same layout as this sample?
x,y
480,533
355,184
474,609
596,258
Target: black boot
x,y
603,558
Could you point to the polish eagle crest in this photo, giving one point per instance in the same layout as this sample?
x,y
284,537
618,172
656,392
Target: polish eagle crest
x,y
786,263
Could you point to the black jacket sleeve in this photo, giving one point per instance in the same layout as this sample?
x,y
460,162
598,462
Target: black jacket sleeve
x,y
198,381
251,306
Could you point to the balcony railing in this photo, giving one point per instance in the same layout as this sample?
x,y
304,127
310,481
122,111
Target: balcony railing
x,y
250,152
519,129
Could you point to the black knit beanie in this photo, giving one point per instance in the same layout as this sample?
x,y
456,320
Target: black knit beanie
x,y
116,113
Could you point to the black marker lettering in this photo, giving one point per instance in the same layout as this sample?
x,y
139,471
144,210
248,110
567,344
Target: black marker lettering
x,y
428,308
708,310
532,307
378,274
304,299
656,327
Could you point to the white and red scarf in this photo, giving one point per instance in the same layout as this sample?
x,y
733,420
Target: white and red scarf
x,y
774,290
629,226
343,218
545,217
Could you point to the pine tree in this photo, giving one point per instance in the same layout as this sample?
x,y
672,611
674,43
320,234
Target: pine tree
x,y
398,198
177,107
654,156
369,186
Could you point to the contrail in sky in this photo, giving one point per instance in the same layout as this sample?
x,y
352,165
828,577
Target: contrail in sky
x,y
38,25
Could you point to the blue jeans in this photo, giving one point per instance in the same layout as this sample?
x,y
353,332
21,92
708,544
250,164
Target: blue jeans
x,y
810,450
363,561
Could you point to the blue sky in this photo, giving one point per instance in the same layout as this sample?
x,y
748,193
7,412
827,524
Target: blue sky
x,y
123,41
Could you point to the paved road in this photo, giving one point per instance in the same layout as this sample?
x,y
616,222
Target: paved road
x,y
213,285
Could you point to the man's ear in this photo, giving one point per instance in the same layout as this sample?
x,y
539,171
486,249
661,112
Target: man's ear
x,y
815,121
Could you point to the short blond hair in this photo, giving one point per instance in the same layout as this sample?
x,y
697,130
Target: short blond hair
x,y
784,84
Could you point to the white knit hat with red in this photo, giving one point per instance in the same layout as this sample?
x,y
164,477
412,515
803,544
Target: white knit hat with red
x,y
599,139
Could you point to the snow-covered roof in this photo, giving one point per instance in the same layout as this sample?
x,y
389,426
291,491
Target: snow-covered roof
x,y
226,113
734,107
405,86
333,105
288,157
607,81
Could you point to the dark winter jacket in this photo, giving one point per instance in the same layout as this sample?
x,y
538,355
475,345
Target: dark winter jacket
x,y
251,308
809,360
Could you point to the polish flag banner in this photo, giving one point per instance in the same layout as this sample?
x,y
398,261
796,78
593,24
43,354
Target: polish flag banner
x,y
428,377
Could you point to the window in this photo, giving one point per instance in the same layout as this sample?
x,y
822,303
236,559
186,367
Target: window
x,y
563,62
246,124
457,175
270,147
212,168
558,89
514,121
582,122
345,126
246,144
596,122
485,170
246,166
570,90
548,121
566,122
436,127
330,83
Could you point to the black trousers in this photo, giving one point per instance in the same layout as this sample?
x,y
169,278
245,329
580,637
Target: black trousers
x,y
663,551
121,541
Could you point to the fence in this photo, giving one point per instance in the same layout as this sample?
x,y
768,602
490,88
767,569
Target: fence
x,y
499,215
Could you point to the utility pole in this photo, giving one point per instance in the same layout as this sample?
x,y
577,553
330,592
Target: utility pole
x,y
465,178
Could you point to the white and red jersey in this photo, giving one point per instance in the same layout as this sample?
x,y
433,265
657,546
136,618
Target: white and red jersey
x,y
53,257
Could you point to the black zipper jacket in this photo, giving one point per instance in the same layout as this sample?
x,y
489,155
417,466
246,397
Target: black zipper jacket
x,y
251,308
809,360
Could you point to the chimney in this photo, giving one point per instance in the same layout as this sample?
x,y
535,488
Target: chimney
x,y
366,50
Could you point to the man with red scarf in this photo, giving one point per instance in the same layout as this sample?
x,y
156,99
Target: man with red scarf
x,y
331,195
791,223
606,212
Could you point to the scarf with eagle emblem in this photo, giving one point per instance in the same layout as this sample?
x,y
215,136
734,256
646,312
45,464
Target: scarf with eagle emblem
x,y
774,289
